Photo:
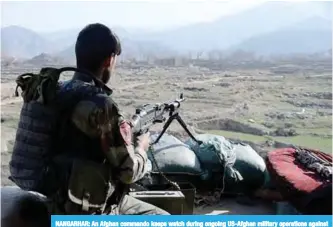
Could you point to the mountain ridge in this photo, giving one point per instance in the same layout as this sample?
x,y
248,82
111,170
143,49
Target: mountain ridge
x,y
226,33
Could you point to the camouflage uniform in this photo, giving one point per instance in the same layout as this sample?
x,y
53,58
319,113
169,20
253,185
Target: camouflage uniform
x,y
98,117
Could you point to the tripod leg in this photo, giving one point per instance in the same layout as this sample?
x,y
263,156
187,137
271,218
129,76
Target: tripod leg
x,y
182,123
165,127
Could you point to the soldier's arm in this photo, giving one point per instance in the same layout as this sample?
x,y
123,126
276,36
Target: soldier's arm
x,y
99,117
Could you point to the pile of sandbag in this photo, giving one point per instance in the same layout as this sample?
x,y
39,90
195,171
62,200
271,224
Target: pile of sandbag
x,y
216,163
175,160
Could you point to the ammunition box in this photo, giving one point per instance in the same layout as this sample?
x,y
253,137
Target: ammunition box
x,y
170,201
187,190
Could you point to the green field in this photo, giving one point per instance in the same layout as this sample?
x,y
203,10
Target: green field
x,y
315,142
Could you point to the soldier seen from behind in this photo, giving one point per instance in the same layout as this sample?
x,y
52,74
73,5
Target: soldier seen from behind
x,y
92,160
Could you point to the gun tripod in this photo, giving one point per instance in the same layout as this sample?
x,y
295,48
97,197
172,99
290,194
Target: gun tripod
x,y
172,116
175,116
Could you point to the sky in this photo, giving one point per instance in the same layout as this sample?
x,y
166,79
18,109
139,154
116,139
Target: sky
x,y
47,16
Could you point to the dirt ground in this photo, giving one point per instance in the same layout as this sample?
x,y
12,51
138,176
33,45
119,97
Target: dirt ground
x,y
261,106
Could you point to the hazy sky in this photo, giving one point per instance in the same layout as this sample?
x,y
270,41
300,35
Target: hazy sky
x,y
154,14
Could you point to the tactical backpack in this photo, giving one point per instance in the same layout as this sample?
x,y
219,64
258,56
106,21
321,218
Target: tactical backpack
x,y
37,128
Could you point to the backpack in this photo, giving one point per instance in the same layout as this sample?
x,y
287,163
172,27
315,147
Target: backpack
x,y
42,87
37,128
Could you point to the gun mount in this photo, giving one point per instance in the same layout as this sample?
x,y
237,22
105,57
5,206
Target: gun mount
x,y
149,114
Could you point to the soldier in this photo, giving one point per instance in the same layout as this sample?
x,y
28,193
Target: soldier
x,y
95,161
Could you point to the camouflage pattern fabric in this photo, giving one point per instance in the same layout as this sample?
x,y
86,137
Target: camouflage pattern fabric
x,y
311,161
100,117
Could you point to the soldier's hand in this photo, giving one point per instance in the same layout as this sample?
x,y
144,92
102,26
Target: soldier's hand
x,y
144,141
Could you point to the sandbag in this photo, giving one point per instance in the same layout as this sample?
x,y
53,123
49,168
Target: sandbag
x,y
173,156
235,166
252,168
302,187
175,160
213,152
217,157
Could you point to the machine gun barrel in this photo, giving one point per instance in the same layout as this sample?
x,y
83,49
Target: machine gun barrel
x,y
150,114
172,106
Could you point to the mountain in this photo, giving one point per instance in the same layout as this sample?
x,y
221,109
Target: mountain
x,y
130,49
231,30
20,42
65,38
309,36
313,23
288,42
44,60
290,26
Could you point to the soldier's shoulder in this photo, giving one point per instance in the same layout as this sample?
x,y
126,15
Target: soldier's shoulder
x,y
76,91
79,88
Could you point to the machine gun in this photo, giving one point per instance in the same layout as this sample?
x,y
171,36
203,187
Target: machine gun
x,y
149,114
146,116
